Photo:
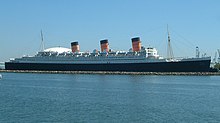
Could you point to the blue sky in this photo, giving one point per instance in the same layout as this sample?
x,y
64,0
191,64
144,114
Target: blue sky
x,y
191,23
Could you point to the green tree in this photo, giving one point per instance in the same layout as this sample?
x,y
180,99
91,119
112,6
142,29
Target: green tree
x,y
217,66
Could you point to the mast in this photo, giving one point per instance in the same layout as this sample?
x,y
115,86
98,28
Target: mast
x,y
169,47
215,58
197,52
218,55
42,41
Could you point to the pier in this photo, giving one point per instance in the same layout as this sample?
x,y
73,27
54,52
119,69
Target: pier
x,y
116,73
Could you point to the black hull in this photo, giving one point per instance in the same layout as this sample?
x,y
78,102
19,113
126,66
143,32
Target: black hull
x,y
183,66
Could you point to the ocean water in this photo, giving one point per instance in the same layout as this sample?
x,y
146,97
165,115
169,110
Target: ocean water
x,y
26,97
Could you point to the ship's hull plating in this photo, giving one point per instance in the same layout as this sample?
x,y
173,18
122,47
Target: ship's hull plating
x,y
181,66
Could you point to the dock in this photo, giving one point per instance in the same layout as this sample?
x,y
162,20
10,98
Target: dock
x,y
116,73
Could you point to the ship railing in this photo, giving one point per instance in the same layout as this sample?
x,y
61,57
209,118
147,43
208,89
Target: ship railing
x,y
185,58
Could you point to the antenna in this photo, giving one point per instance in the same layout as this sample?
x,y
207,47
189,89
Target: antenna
x,y
42,41
169,47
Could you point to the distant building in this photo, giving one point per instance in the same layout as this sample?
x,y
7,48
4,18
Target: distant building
x,y
2,65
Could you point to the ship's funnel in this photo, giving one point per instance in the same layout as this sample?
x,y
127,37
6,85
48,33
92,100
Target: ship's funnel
x,y
75,47
104,45
136,44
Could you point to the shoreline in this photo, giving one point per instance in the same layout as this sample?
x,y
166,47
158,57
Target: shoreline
x,y
116,73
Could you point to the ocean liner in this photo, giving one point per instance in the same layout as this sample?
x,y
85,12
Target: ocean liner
x,y
137,59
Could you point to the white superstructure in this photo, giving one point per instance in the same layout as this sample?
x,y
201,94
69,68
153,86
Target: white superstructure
x,y
64,55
